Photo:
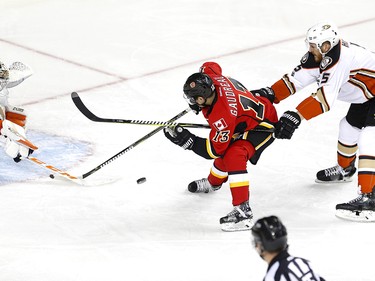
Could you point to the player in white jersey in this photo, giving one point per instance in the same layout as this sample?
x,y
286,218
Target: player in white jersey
x,y
270,241
12,118
343,71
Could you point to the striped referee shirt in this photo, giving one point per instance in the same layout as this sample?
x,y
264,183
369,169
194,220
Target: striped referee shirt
x,y
285,267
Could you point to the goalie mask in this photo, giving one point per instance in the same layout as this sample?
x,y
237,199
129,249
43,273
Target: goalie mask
x,y
198,85
270,234
323,32
4,75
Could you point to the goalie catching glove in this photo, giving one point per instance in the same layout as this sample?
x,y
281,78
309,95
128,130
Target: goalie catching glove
x,y
287,124
180,136
16,145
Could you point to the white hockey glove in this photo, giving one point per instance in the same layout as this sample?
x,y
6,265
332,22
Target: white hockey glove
x,y
17,145
18,72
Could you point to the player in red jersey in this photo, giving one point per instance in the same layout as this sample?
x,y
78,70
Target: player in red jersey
x,y
241,128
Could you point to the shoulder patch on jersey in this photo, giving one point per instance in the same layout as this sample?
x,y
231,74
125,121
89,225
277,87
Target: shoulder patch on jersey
x,y
331,58
326,61
305,58
308,61
220,124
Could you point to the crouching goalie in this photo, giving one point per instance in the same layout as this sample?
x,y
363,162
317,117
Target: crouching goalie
x,y
12,118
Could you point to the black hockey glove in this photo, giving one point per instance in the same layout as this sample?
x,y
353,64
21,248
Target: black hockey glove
x,y
195,108
287,124
180,136
264,92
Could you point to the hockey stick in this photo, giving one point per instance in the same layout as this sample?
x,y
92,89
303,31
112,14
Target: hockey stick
x,y
54,170
130,147
85,111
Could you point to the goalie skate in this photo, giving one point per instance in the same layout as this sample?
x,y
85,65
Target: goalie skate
x,y
239,219
336,174
361,209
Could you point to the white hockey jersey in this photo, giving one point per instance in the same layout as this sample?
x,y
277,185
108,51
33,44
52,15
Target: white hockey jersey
x,y
346,73
17,73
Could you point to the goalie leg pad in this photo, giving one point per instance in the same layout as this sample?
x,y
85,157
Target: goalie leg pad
x,y
16,115
11,148
16,134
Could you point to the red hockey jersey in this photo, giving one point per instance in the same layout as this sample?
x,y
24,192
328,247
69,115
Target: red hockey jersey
x,y
234,112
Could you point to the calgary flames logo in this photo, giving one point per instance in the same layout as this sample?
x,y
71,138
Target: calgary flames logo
x,y
192,84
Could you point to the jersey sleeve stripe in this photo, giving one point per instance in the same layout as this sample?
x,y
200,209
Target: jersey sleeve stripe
x,y
283,88
310,108
365,80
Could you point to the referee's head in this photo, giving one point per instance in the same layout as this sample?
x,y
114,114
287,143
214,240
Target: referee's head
x,y
269,235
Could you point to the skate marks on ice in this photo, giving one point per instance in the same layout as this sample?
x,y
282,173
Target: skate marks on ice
x,y
63,152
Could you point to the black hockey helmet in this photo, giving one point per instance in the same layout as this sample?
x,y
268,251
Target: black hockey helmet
x,y
198,85
270,233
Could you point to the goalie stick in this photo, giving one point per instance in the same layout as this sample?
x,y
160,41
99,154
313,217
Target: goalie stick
x,y
65,175
52,169
55,170
79,179
85,111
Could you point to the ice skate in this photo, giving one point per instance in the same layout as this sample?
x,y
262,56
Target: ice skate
x,y
202,186
336,174
240,218
361,208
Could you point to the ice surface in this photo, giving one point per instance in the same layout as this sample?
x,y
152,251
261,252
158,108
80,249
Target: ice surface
x,y
129,59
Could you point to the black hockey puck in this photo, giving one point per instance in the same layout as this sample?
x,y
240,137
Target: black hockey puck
x,y
141,180
51,176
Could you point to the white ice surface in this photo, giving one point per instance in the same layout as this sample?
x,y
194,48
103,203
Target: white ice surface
x,y
129,59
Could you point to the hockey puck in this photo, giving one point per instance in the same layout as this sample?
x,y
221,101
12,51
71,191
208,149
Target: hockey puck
x,y
51,176
141,180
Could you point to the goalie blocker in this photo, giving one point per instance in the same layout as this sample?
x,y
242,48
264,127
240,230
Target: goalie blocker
x,y
17,145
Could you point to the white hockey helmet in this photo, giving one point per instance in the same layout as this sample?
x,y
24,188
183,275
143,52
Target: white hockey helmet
x,y
4,75
323,32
